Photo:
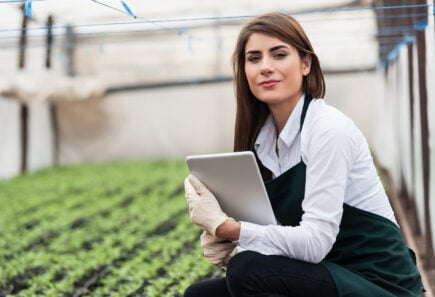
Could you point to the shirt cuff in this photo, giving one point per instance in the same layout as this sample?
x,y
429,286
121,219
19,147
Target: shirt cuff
x,y
251,236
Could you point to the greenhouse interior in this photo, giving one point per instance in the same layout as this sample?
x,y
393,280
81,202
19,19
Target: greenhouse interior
x,y
102,101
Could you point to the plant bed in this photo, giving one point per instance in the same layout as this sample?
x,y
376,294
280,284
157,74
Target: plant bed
x,y
119,229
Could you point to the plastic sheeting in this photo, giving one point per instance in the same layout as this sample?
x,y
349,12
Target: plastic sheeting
x,y
430,41
10,141
159,123
394,146
30,88
37,93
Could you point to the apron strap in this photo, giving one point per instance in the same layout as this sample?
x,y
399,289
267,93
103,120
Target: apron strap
x,y
307,101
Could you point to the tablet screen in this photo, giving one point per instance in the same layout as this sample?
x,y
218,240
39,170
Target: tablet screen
x,y
235,180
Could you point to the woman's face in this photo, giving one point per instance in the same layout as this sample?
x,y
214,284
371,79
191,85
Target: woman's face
x,y
274,70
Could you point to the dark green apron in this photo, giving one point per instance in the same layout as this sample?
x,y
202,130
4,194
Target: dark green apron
x,y
369,257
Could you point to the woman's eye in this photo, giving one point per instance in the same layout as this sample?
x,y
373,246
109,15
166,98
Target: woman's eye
x,y
253,59
280,55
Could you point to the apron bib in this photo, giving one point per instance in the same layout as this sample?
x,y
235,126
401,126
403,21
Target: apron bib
x,y
369,257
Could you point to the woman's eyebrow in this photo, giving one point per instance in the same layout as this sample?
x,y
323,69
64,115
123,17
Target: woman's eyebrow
x,y
277,48
270,50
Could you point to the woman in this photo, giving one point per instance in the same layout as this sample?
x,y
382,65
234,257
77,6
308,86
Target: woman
x,y
337,234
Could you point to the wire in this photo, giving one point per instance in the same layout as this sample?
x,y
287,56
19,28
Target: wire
x,y
303,12
134,16
109,6
385,31
15,1
195,41
348,9
180,30
380,33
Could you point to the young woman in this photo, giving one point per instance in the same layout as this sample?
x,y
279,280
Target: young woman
x,y
337,235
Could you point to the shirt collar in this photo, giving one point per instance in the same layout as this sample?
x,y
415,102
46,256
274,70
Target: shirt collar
x,y
293,124
266,138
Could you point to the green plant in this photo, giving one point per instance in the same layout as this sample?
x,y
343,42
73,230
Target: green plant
x,y
118,229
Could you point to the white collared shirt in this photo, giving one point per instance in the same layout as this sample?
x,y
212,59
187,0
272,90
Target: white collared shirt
x,y
339,170
288,143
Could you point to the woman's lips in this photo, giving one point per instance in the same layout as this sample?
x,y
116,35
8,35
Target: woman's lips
x,y
269,83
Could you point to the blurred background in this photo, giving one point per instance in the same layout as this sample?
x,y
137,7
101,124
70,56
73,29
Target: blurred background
x,y
89,81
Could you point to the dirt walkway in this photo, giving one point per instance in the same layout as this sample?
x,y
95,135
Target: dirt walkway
x,y
406,215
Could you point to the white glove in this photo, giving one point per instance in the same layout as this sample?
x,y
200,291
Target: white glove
x,y
204,209
217,250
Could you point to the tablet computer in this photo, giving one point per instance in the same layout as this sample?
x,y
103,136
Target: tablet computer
x,y
235,180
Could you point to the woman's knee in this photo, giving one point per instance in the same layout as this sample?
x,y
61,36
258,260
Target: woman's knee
x,y
192,291
208,287
241,271
244,262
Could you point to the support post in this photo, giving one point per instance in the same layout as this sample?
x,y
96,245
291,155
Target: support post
x,y
424,122
52,106
23,107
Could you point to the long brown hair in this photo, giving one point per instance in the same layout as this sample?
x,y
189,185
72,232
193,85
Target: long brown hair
x,y
251,113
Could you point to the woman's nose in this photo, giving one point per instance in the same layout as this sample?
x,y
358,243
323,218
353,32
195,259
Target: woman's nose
x,y
266,67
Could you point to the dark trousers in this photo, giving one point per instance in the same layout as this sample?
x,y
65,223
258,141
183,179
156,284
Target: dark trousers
x,y
255,275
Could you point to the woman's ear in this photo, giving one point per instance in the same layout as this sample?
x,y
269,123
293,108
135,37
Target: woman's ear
x,y
306,64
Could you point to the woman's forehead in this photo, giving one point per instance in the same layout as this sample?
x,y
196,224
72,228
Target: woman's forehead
x,y
257,41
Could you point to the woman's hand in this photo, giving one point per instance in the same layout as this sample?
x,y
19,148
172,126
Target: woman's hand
x,y
204,209
218,251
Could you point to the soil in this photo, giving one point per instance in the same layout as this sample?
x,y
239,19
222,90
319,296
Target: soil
x,y
428,264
